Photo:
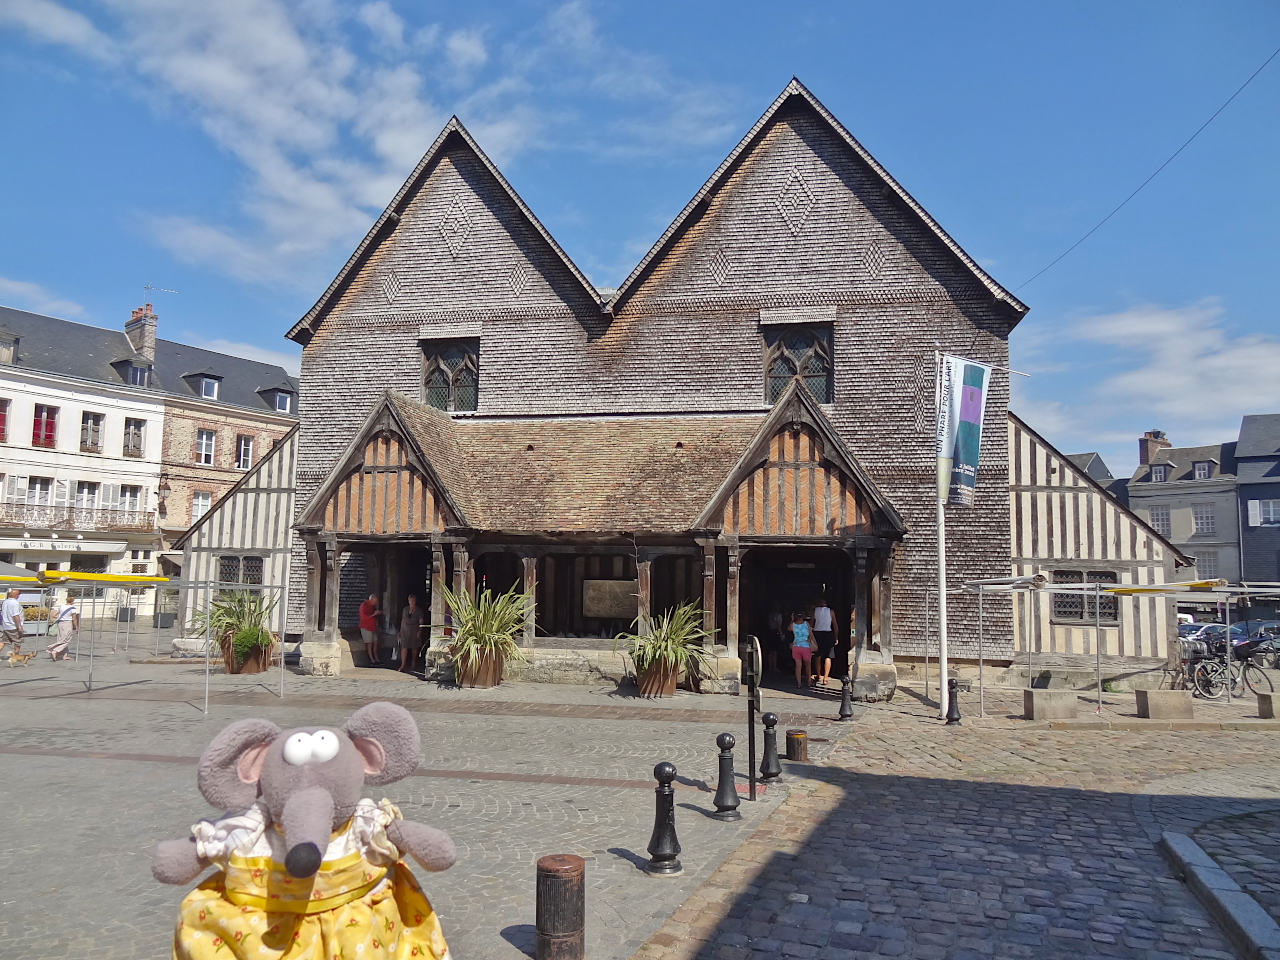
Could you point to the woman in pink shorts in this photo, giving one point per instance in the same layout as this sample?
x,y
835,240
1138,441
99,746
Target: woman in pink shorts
x,y
801,648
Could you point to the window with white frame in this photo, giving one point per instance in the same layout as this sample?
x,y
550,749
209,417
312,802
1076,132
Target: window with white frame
x,y
1160,521
1159,472
40,490
244,452
133,446
204,447
44,425
1205,519
86,494
90,432
139,375
8,349
209,388
1269,511
1201,469
130,497
284,401
1206,564
201,500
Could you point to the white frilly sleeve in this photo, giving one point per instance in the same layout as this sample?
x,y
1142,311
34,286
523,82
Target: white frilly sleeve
x,y
369,830
217,840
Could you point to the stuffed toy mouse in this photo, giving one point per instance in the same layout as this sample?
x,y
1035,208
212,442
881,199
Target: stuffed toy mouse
x,y
307,868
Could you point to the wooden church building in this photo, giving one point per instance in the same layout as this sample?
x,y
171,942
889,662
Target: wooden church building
x,y
746,421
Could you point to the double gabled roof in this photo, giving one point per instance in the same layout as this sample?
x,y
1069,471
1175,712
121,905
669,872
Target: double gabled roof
x,y
302,330
599,475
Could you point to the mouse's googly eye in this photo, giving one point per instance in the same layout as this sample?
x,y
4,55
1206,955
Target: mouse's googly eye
x,y
298,749
324,745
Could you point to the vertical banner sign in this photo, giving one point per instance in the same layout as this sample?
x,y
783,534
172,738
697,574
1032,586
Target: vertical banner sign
x,y
962,402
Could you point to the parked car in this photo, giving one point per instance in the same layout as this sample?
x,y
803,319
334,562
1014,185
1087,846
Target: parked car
x,y
1214,631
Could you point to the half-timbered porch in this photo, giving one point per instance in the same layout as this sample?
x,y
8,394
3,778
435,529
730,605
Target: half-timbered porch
x,y
605,522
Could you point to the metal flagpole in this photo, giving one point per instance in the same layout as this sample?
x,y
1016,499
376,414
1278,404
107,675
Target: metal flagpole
x,y
942,549
1097,639
982,705
928,610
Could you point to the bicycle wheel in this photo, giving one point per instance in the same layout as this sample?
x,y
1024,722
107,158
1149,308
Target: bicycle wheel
x,y
1256,680
1208,679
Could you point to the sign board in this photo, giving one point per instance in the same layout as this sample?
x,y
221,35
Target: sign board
x,y
62,546
610,599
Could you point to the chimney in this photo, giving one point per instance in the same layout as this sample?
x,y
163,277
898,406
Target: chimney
x,y
141,331
1149,443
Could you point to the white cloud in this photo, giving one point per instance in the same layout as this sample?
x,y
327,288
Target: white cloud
x,y
248,351
383,22
465,50
51,23
25,295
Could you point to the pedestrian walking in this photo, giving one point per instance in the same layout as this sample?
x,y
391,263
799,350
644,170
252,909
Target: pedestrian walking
x,y
801,648
824,635
67,623
410,636
369,628
11,621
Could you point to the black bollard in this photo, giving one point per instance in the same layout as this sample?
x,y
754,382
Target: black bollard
x,y
770,767
953,702
846,699
726,798
560,908
664,848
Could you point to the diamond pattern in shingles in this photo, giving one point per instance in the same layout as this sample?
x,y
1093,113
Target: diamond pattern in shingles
x,y
518,278
873,258
390,283
456,225
720,266
795,202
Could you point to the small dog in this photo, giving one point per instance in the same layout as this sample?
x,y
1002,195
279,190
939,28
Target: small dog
x,y
21,658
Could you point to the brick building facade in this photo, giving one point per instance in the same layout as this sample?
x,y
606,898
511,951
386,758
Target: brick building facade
x,y
799,299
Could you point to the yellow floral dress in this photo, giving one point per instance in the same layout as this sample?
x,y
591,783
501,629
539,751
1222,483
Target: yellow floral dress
x,y
363,904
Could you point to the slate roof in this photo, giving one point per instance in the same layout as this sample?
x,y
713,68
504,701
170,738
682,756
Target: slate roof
x,y
598,474
1259,435
1221,457
1092,464
90,353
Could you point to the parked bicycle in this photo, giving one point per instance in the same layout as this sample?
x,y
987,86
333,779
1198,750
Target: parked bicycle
x,y
1213,672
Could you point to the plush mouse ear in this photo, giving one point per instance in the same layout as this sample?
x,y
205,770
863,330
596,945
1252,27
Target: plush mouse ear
x,y
388,740
228,771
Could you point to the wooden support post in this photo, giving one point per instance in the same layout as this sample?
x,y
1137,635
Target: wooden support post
x,y
709,590
314,579
861,600
333,589
437,598
530,588
644,613
731,603
459,568
886,606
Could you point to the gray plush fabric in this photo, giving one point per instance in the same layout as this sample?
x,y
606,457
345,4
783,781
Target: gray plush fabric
x,y
392,728
218,772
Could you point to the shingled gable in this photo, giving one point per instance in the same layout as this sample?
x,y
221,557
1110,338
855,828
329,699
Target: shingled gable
x,y
398,417
386,223
795,89
794,410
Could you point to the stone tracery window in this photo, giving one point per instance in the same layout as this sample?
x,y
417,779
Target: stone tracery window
x,y
451,374
799,351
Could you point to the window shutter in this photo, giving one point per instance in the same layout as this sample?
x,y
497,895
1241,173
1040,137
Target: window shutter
x,y
1255,513
111,496
11,494
61,492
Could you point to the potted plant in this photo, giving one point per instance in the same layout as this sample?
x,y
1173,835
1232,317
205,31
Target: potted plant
x,y
672,646
239,620
484,634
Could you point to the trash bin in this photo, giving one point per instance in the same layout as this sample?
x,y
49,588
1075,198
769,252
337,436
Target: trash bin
x,y
125,614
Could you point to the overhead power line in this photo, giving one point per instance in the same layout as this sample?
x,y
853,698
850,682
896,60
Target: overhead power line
x,y
1186,143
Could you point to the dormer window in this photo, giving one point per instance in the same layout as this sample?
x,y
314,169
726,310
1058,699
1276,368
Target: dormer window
x,y
284,401
8,348
1202,469
209,388
138,375
1159,473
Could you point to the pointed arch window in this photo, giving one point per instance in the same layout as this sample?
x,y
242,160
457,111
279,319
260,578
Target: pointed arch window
x,y
451,374
799,351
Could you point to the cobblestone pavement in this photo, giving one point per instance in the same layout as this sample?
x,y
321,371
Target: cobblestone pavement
x,y
88,784
992,839
1248,848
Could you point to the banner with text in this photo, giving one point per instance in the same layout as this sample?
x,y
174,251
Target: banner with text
x,y
962,401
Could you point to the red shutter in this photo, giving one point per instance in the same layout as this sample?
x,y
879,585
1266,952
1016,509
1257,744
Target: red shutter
x,y
4,420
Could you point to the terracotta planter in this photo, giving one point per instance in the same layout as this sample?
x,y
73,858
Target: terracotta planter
x,y
257,661
658,681
481,673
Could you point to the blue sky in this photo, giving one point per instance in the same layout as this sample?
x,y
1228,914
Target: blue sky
x,y
236,152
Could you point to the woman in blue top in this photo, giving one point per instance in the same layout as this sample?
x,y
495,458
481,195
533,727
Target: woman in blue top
x,y
801,648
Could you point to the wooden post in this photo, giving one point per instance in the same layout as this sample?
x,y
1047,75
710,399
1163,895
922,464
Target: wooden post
x,y
644,614
332,588
459,568
886,605
709,589
530,588
314,574
861,600
437,598
731,603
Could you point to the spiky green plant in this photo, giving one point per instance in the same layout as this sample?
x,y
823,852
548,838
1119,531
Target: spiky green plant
x,y
485,624
239,620
675,640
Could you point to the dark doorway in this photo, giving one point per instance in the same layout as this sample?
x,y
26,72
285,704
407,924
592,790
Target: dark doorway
x,y
787,579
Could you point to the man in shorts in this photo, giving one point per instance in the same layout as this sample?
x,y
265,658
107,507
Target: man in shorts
x,y
824,635
369,628
11,621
